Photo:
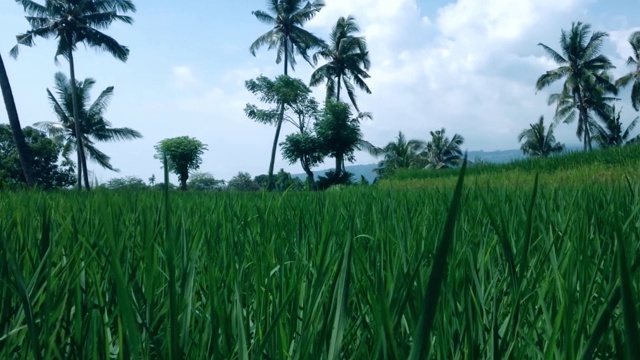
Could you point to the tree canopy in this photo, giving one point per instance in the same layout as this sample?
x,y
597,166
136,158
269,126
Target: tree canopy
x,y
184,155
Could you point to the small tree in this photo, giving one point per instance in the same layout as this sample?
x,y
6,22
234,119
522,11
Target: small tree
x,y
203,181
284,92
243,182
538,142
125,183
183,156
339,133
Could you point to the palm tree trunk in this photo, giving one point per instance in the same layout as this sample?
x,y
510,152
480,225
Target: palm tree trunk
x,y
274,148
338,90
14,121
76,121
85,170
585,120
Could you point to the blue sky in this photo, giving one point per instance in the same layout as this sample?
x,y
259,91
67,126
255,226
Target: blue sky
x,y
467,65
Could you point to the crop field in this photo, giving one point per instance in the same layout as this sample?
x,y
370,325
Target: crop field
x,y
469,272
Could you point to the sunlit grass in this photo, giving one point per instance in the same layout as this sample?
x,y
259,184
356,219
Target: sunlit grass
x,y
533,272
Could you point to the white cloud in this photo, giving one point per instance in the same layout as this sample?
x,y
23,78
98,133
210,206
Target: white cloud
x,y
183,77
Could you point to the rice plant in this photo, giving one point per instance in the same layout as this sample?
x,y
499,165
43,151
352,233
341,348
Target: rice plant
x,y
482,271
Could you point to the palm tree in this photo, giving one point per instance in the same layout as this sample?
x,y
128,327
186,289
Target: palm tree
x,y
538,142
634,75
93,125
400,154
581,66
288,37
442,152
73,22
14,121
613,133
596,100
347,61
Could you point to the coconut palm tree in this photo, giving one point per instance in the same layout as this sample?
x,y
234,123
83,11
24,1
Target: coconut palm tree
x,y
400,154
74,22
93,125
539,142
597,100
613,133
582,66
287,37
347,61
634,75
14,121
441,152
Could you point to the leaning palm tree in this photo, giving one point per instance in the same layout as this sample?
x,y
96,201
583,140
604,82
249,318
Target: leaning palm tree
x,y
74,22
93,125
400,154
613,133
14,121
634,75
539,142
441,152
287,37
581,65
347,61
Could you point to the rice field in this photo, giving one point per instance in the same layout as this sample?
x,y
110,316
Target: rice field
x,y
468,271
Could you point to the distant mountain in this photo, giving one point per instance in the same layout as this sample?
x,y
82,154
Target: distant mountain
x,y
497,157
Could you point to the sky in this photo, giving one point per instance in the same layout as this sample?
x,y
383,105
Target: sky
x,y
469,66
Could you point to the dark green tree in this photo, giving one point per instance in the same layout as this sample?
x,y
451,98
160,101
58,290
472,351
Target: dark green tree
x,y
339,133
284,93
94,127
442,152
243,182
633,77
203,181
538,141
74,22
612,132
582,67
184,155
125,183
49,171
18,136
347,61
400,154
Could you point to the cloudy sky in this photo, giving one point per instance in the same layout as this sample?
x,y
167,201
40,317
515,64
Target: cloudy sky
x,y
467,65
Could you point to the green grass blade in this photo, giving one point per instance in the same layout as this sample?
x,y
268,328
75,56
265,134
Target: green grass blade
x,y
421,340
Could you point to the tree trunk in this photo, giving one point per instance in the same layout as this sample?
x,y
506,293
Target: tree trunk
x,y
274,149
76,120
338,90
85,170
585,120
24,152
338,165
310,179
183,181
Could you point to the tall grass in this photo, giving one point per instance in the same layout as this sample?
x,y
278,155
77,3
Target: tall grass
x,y
535,272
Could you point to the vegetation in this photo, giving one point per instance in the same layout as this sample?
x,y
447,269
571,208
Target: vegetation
x,y
18,136
93,125
347,60
74,22
183,155
584,70
288,37
533,273
440,259
633,77
538,141
49,171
